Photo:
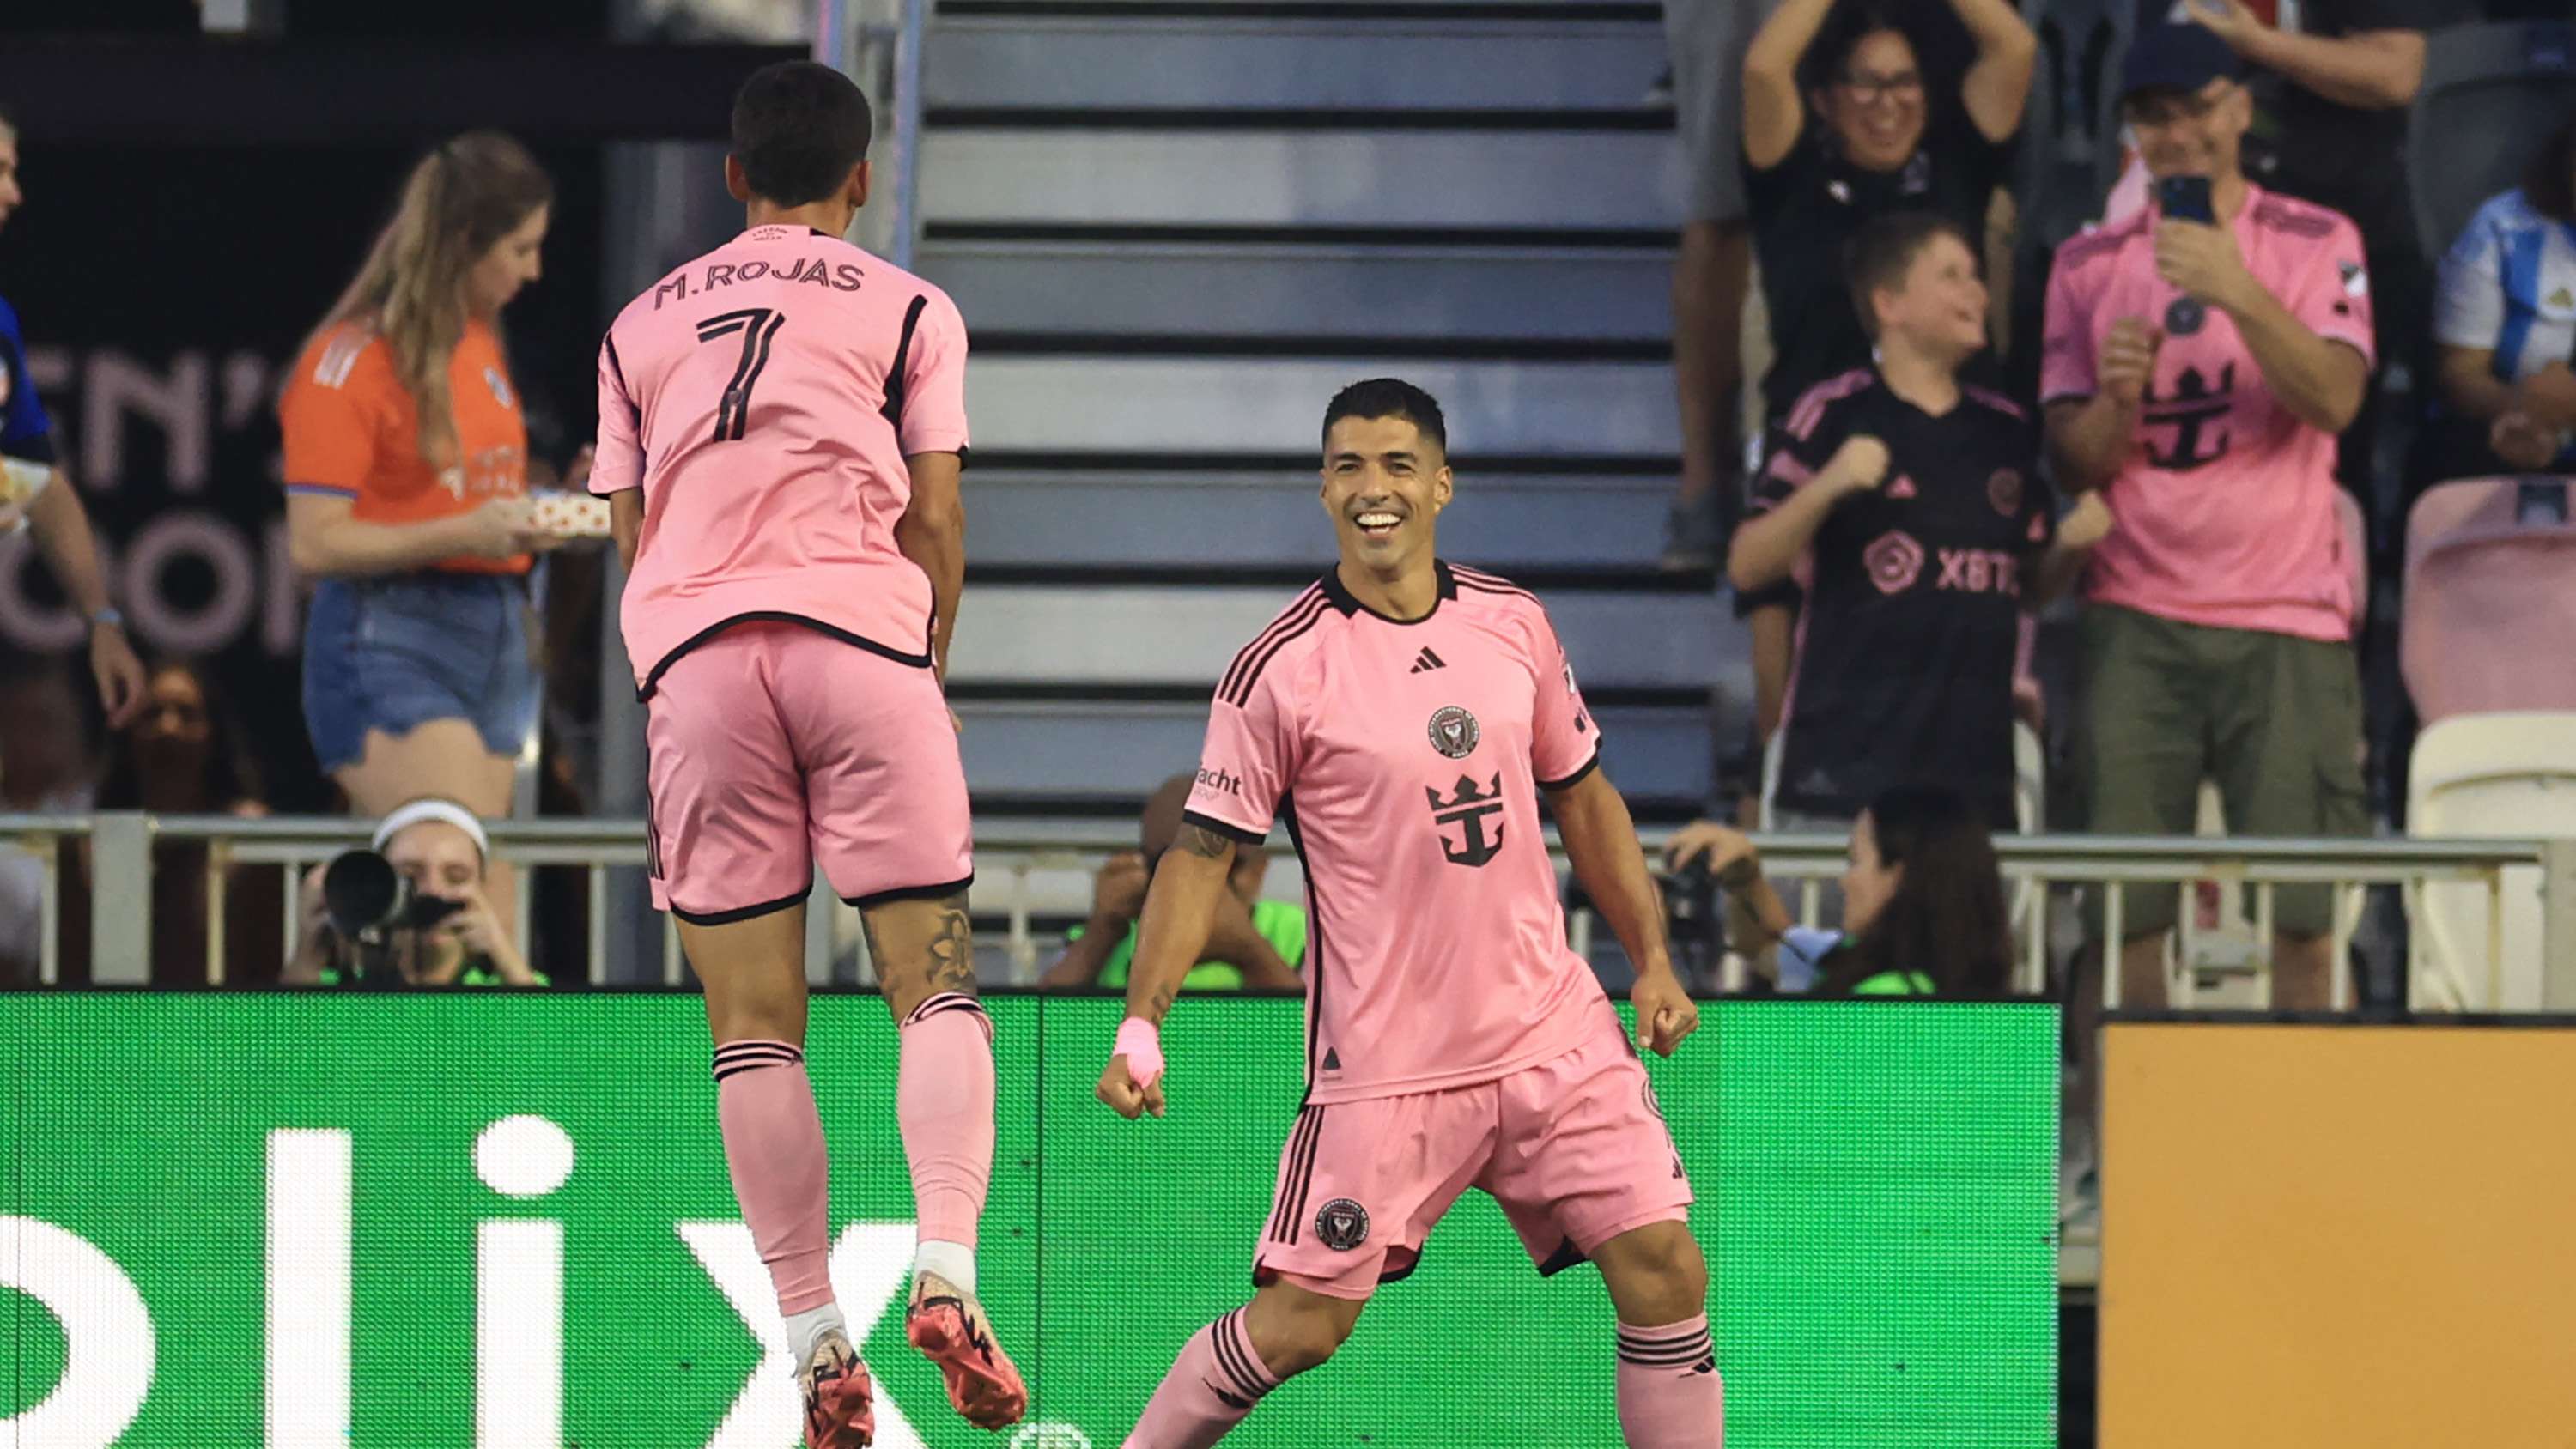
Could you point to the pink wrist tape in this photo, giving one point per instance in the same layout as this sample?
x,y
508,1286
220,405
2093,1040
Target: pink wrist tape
x,y
1141,1043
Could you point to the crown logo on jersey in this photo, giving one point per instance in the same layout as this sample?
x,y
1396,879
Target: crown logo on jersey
x,y
1454,732
1466,809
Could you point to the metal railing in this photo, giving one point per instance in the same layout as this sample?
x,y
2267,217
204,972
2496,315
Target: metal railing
x,y
1032,869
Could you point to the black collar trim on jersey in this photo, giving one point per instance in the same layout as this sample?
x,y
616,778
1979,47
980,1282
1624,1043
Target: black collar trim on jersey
x,y
1343,599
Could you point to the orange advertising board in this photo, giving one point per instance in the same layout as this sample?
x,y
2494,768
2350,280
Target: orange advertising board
x,y
2338,1236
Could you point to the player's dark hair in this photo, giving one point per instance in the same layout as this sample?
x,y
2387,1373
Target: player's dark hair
x,y
2549,182
798,128
1883,250
1388,397
1946,919
8,119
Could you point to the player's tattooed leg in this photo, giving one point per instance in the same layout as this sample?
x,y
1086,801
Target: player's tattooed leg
x,y
921,949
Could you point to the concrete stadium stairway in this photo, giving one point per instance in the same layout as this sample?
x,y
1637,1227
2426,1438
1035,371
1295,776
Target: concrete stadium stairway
x,y
1176,227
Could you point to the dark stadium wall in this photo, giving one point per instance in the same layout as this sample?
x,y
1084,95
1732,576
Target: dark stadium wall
x,y
163,292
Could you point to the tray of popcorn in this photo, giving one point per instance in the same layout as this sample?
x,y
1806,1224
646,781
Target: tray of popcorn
x,y
568,515
21,481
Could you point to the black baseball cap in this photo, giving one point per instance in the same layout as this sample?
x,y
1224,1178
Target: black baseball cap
x,y
2177,57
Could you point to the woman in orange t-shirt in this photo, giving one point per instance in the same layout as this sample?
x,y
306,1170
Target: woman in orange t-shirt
x,y
406,480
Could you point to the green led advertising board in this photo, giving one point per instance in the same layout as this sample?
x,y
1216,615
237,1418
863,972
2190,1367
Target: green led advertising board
x,y
295,1220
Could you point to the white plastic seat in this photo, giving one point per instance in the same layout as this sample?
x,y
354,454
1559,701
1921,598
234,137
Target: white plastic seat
x,y
2504,774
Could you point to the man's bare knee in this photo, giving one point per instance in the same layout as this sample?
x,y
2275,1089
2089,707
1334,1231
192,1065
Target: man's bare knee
x,y
1655,1274
753,973
1295,1329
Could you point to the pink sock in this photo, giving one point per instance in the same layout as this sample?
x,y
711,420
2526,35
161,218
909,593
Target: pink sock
x,y
1212,1386
774,1146
1670,1396
944,1100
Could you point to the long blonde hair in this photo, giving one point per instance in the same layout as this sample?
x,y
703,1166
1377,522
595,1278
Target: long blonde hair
x,y
460,199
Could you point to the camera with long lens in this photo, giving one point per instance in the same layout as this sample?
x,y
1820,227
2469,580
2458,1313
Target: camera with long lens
x,y
1694,924
1693,927
367,901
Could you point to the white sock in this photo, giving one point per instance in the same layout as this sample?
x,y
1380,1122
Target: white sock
x,y
954,1262
804,1329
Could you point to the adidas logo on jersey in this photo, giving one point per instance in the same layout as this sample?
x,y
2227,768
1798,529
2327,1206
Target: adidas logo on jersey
x,y
1426,661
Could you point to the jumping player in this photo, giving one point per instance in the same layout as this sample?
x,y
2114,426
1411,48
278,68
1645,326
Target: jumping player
x,y
781,426
1402,717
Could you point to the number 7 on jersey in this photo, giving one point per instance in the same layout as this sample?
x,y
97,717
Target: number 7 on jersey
x,y
757,325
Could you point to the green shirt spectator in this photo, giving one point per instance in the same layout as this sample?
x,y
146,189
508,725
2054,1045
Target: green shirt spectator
x,y
475,974
1279,923
1252,944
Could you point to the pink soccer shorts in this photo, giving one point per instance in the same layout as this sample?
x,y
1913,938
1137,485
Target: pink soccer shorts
x,y
772,747
1574,1149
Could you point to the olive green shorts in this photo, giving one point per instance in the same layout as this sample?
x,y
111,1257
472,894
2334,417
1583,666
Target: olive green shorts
x,y
2273,719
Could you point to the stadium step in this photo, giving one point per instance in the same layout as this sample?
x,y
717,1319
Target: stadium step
x,y
1176,227
1111,636
1098,755
1004,67
1232,517
1074,402
1496,175
1015,292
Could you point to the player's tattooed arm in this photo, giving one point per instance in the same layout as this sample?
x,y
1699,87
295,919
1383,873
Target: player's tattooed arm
x,y
1180,909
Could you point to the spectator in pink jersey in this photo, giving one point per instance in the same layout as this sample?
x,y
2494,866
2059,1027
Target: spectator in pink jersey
x,y
781,426
1414,711
2200,374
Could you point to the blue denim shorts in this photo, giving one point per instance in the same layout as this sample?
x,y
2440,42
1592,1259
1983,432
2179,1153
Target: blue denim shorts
x,y
396,652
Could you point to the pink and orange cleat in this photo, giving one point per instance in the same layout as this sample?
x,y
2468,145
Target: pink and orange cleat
x,y
952,1330
839,1408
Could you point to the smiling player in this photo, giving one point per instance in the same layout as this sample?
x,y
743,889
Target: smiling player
x,y
1413,711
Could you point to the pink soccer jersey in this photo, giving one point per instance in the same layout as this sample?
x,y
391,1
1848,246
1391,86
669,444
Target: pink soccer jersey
x,y
1406,760
2226,509
765,397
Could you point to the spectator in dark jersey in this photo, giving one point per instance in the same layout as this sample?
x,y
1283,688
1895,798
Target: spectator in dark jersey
x,y
1909,506
1923,901
1841,124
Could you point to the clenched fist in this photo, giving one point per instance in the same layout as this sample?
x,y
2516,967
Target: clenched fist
x,y
2128,360
1860,463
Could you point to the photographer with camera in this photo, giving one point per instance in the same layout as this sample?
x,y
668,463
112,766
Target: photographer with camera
x,y
409,911
1923,901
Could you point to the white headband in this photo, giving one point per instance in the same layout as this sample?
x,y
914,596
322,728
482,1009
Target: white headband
x,y
433,808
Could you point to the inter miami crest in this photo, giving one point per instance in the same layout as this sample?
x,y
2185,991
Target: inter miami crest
x,y
1454,732
1467,810
1341,1225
